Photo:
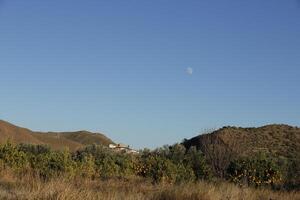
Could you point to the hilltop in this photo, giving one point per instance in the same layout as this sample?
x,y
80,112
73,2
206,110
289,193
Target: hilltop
x,y
56,140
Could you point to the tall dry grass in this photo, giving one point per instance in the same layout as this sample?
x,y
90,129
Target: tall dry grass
x,y
28,187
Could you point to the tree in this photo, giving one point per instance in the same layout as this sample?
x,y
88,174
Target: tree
x,y
218,153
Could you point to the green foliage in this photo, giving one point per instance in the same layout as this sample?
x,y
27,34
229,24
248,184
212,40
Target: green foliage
x,y
173,164
184,173
196,160
292,174
126,164
107,167
257,171
170,164
33,149
12,157
86,167
108,163
158,168
53,164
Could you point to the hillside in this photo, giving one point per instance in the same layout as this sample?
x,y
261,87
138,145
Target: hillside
x,y
56,140
281,143
276,140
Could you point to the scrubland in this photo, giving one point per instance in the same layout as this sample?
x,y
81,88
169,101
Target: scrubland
x,y
170,172
30,187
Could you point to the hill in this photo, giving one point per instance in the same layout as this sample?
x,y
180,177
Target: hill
x,y
279,142
56,140
276,140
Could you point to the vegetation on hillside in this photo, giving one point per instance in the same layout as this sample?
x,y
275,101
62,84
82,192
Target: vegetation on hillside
x,y
279,144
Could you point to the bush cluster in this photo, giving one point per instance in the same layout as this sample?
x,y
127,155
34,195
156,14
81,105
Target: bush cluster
x,y
170,164
256,171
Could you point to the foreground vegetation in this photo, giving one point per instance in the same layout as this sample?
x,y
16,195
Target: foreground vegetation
x,y
171,172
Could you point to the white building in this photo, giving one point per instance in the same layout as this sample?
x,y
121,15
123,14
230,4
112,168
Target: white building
x,y
122,148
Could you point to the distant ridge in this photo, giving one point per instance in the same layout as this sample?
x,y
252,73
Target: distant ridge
x,y
56,140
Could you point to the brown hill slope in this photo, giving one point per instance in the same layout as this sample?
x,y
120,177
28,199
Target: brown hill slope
x,y
276,140
72,140
280,142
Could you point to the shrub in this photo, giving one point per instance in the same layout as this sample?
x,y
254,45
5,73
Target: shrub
x,y
86,167
160,168
107,167
196,160
173,164
292,178
53,164
33,149
126,164
108,163
257,171
184,173
11,157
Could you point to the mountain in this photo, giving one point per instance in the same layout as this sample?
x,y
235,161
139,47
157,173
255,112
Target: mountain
x,y
56,140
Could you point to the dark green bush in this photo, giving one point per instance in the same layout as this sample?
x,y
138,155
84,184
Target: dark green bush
x,y
196,160
292,175
33,149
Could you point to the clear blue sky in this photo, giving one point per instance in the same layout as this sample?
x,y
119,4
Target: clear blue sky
x,y
120,67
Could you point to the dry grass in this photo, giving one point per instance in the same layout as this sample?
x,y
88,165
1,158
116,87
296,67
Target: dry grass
x,y
28,187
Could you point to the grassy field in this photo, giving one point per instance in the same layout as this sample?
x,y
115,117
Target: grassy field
x,y
29,187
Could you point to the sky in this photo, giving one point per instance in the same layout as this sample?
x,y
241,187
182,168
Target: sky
x,y
149,73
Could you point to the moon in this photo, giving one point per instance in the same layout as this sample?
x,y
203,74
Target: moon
x,y
189,71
